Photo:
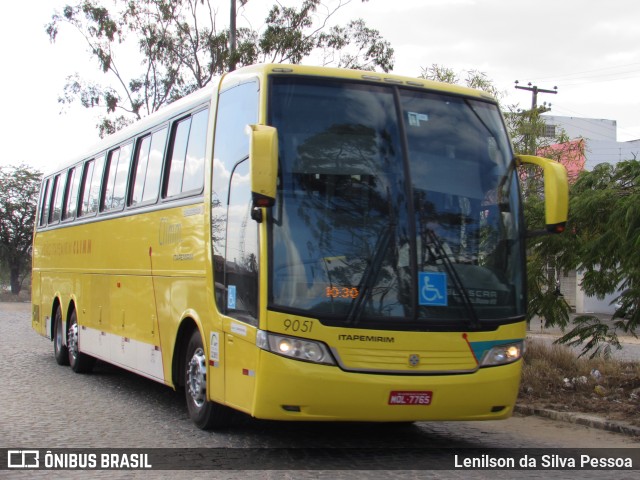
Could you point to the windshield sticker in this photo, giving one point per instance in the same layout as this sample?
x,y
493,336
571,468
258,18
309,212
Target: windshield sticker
x,y
231,297
432,289
415,118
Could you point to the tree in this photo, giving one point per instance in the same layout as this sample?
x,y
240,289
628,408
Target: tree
x,y
605,233
180,48
473,79
19,186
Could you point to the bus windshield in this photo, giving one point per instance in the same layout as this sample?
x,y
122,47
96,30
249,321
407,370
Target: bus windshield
x,y
396,208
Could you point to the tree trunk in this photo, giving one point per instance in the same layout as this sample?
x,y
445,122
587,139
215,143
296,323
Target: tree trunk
x,y
16,284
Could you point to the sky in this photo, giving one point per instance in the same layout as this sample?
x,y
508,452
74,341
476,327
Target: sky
x,y
588,49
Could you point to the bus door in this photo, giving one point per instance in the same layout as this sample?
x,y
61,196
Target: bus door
x,y
240,292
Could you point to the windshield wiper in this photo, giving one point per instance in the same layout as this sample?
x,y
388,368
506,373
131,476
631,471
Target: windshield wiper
x,y
370,275
474,322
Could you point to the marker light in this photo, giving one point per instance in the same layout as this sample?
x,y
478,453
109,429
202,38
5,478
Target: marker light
x,y
296,348
502,354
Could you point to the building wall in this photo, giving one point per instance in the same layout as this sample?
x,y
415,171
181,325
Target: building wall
x,y
590,128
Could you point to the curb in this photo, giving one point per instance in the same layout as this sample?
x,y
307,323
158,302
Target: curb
x,y
581,419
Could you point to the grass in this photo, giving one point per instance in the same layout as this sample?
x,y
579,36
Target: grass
x,y
554,377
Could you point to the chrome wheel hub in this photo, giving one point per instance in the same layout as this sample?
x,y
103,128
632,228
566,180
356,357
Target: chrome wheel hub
x,y
72,339
197,377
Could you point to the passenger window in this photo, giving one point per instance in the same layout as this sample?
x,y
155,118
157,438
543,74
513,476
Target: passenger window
x,y
71,202
91,186
148,167
186,161
55,210
178,153
117,173
44,205
193,178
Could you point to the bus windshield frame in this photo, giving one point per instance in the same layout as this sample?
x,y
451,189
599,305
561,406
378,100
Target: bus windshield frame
x,y
397,208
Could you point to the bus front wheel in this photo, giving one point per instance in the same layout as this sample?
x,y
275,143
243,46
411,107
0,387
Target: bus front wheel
x,y
205,414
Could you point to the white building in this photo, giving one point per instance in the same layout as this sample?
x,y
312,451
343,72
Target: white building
x,y
601,146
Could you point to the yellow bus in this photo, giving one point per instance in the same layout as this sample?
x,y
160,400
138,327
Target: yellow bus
x,y
299,243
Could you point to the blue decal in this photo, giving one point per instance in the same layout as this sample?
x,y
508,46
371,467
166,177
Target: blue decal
x,y
231,297
432,289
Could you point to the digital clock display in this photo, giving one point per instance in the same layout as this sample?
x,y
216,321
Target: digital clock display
x,y
342,292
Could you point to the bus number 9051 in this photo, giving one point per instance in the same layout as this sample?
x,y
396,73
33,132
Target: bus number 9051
x,y
304,326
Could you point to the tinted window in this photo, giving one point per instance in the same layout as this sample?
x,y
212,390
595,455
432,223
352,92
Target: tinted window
x,y
91,186
148,167
178,153
186,170
237,108
44,205
55,210
71,202
118,170
193,178
241,280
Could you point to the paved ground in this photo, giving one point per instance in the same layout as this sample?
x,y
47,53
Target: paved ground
x,y
46,405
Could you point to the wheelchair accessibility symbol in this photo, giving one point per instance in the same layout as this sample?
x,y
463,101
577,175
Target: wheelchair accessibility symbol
x,y
432,288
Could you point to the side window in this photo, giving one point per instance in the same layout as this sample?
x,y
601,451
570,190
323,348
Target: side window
x,y
44,203
241,281
117,173
237,108
55,210
148,167
186,158
71,200
91,182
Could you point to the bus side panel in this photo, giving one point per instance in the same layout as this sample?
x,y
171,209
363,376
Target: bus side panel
x,y
93,316
38,313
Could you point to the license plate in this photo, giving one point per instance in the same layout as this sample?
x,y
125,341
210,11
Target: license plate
x,y
410,398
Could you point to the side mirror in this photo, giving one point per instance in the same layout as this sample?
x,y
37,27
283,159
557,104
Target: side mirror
x,y
556,191
263,157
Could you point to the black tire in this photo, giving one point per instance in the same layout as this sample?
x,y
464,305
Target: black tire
x,y
205,414
79,362
60,350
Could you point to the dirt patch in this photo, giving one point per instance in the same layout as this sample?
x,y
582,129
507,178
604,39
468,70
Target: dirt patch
x,y
554,377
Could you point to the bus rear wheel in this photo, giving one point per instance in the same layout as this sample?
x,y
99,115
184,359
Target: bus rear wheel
x,y
205,414
80,362
60,350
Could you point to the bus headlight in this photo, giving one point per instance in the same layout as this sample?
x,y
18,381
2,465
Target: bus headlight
x,y
293,347
503,354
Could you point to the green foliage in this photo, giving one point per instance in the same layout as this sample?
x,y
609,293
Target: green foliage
x,y
605,212
19,186
473,79
180,48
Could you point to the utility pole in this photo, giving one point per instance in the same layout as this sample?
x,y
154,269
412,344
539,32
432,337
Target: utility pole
x,y
232,37
530,137
534,94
